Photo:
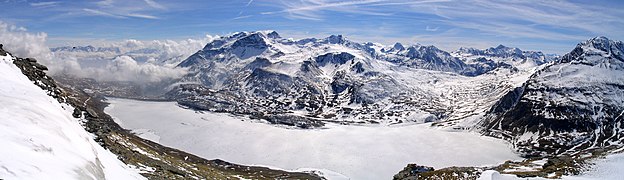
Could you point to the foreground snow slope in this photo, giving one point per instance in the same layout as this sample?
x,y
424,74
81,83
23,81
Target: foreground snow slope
x,y
40,139
611,167
359,152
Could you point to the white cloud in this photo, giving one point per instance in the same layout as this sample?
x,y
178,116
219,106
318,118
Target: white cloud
x,y
154,4
24,44
160,56
242,17
137,61
125,68
432,29
144,16
105,3
102,13
44,4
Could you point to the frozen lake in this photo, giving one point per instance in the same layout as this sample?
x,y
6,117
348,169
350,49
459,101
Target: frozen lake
x,y
358,152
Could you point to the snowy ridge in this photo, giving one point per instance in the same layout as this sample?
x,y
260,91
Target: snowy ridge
x,y
41,139
503,56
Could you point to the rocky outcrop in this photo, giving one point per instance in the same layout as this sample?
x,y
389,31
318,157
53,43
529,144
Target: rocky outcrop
x,y
411,172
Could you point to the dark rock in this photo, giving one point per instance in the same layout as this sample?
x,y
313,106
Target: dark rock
x,y
334,58
77,113
411,172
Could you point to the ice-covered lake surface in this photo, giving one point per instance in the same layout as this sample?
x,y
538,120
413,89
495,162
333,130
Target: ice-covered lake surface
x,y
358,152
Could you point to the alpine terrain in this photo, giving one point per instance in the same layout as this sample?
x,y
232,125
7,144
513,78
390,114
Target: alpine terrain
x,y
558,112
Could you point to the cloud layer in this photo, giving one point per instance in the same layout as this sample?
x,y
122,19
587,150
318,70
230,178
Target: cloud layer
x,y
24,44
137,61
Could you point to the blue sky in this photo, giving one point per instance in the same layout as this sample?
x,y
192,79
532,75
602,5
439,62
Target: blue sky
x,y
551,26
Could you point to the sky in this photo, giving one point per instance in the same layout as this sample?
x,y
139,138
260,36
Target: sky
x,y
551,26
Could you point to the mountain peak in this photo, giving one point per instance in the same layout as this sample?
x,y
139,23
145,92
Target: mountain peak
x,y
598,46
335,39
274,35
603,44
398,46
503,50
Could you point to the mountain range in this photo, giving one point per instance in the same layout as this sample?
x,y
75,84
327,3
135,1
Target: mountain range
x,y
311,81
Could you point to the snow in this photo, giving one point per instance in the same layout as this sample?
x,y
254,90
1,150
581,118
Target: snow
x,y
358,152
612,167
40,139
495,175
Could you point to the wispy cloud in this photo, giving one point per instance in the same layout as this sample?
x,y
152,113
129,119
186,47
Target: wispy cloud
x,y
44,4
242,17
154,4
144,16
249,3
547,20
105,3
120,9
432,29
313,9
529,16
102,13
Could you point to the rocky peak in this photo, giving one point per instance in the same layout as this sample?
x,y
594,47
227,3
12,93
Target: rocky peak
x,y
609,50
335,39
600,43
334,58
251,40
504,51
472,51
274,35
2,52
398,46
418,51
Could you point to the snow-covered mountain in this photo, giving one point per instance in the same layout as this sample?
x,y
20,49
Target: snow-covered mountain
x,y
423,57
40,138
571,105
310,81
502,56
88,48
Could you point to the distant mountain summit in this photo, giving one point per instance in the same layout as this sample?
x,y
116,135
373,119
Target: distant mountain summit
x,y
88,48
503,55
